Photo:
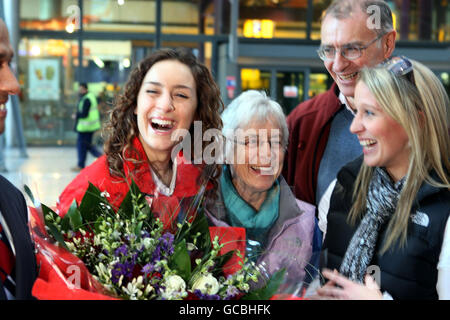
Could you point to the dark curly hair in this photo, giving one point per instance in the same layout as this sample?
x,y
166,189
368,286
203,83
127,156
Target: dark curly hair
x,y
122,127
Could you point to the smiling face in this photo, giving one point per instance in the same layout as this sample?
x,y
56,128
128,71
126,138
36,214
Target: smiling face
x,y
8,82
166,102
352,31
384,141
263,161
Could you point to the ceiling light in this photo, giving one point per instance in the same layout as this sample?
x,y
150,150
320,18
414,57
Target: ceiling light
x,y
98,62
126,63
35,50
70,28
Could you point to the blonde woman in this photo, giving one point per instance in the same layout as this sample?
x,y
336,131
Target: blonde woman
x,y
389,210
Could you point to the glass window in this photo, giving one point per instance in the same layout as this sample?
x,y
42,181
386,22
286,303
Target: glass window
x,y
119,16
255,79
47,98
49,79
405,17
48,14
319,7
422,19
290,89
319,83
203,51
181,17
441,22
273,19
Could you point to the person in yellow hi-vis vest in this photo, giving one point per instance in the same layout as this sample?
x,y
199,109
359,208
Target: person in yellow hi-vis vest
x,y
87,122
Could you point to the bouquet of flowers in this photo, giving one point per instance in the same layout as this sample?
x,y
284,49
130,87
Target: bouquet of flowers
x,y
128,254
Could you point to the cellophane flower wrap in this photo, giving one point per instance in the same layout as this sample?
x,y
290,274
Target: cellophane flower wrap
x,y
99,252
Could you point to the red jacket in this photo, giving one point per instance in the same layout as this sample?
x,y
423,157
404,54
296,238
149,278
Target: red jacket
x,y
99,175
309,126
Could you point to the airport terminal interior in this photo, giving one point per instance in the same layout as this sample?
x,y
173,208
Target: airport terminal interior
x,y
63,42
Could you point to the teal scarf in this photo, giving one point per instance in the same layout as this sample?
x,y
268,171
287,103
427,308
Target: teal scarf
x,y
241,214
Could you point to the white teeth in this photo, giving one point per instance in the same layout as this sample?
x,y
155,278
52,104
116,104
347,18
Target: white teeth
x,y
262,168
350,76
162,122
366,143
2,106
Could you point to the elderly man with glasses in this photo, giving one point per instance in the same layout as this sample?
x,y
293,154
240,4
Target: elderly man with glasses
x,y
354,34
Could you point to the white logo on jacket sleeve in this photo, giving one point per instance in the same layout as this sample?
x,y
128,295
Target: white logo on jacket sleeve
x,y
420,218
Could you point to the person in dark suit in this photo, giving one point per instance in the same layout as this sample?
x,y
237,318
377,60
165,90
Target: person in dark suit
x,y
17,260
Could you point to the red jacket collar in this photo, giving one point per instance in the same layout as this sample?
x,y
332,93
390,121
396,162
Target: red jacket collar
x,y
186,184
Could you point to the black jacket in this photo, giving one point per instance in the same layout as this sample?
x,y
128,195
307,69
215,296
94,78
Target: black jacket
x,y
406,273
14,211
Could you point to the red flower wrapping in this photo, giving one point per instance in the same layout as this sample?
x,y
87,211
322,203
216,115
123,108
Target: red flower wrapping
x,y
233,238
63,276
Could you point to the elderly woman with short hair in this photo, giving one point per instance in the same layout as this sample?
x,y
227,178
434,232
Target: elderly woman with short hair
x,y
252,194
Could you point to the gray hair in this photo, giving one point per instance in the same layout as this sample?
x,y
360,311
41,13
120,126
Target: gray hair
x,y
252,106
342,9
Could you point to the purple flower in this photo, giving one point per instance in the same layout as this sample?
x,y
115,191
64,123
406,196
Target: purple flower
x,y
202,296
166,242
119,269
130,237
148,268
232,291
156,256
121,250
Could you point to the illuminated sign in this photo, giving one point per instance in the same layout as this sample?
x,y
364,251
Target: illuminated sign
x,y
259,28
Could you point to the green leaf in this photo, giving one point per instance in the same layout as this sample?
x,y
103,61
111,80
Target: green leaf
x,y
57,235
74,216
90,204
181,261
137,230
65,223
220,262
29,193
46,210
127,206
199,225
96,225
54,232
266,292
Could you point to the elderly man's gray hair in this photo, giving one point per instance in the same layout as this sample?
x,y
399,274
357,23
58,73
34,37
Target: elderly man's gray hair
x,y
342,9
252,106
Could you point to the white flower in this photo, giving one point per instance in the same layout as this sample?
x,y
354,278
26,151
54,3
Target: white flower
x,y
147,243
105,194
116,235
207,284
175,287
132,291
191,246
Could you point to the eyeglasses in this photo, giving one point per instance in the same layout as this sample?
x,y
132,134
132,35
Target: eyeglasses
x,y
349,51
400,66
255,142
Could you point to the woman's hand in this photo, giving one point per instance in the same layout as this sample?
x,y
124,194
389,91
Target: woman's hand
x,y
341,288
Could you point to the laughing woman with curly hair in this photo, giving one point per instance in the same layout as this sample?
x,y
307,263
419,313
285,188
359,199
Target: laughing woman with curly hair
x,y
164,95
